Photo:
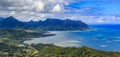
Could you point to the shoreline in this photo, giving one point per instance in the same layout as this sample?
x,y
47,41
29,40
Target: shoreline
x,y
72,31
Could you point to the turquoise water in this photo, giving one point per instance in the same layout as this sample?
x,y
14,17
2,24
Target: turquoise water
x,y
100,38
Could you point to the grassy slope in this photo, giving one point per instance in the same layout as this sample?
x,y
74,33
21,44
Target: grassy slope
x,y
48,50
10,39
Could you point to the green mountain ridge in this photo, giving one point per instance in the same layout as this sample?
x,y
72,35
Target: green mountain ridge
x,y
48,24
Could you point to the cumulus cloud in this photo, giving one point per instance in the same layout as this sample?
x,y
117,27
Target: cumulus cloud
x,y
30,5
57,8
26,10
36,6
39,6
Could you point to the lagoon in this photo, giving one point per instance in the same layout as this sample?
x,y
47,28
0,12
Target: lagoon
x,y
104,38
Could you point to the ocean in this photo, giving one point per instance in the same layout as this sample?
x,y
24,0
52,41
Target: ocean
x,y
101,37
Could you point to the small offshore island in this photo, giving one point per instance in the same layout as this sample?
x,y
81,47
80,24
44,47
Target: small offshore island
x,y
13,33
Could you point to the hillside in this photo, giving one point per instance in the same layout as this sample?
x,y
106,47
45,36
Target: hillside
x,y
57,24
11,22
48,24
20,34
49,50
1,18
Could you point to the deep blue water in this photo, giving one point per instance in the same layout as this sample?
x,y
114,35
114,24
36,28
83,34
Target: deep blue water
x,y
101,37
107,26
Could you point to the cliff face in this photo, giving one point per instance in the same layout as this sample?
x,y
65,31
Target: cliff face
x,y
48,24
11,22
57,24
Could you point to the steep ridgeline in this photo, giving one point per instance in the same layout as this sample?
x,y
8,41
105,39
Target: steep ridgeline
x,y
11,22
57,24
48,24
1,19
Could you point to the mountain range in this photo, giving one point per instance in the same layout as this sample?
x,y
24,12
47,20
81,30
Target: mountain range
x,y
48,24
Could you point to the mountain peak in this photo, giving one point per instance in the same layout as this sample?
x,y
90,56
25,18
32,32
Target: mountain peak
x,y
10,17
31,21
11,22
52,19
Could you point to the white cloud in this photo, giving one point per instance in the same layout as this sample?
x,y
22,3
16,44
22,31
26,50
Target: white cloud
x,y
52,0
100,21
103,46
12,13
57,8
26,10
39,6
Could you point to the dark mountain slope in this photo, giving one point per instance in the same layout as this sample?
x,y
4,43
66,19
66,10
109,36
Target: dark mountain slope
x,y
57,24
11,22
48,24
1,18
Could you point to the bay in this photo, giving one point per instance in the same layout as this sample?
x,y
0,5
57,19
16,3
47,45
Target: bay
x,y
101,37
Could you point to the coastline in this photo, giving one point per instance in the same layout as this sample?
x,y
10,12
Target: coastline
x,y
79,38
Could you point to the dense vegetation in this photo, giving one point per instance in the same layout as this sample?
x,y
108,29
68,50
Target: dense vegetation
x,y
57,24
11,42
48,24
49,50
10,33
11,39
11,45
20,34
14,48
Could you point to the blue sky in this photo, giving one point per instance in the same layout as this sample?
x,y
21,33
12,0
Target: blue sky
x,y
89,11
99,6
